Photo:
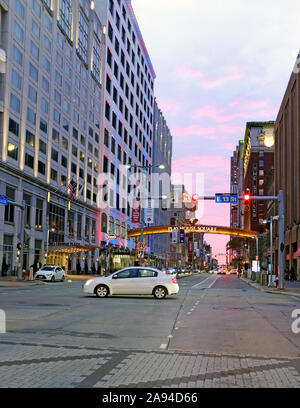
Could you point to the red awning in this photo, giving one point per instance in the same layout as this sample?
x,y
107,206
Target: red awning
x,y
297,254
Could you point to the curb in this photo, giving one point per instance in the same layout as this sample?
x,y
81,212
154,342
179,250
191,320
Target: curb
x,y
274,292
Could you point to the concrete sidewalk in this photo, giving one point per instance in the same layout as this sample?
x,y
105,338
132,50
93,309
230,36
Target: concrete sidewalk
x,y
290,291
12,281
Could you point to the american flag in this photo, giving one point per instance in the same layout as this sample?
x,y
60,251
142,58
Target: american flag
x,y
72,187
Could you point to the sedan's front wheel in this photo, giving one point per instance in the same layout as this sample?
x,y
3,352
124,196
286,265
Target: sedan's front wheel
x,y
53,278
160,292
101,291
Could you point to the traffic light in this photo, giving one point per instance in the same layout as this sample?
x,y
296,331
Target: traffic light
x,y
19,246
247,196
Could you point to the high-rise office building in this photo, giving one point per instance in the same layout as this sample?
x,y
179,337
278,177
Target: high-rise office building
x,y
127,131
162,155
76,93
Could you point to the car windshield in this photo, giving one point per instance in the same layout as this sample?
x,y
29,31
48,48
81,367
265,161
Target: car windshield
x,y
47,268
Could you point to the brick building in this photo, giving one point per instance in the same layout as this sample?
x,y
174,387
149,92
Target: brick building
x,y
258,159
287,169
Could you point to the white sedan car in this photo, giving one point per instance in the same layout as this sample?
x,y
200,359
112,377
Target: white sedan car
x,y
50,273
133,281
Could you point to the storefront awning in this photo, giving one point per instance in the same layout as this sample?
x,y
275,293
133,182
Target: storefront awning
x,y
70,248
297,254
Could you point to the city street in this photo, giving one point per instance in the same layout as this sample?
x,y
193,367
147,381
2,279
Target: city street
x,y
217,332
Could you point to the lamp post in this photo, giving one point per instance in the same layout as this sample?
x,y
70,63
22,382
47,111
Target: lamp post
x,y
129,167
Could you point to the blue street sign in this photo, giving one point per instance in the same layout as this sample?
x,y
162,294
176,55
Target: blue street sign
x,y
201,252
181,236
3,200
227,198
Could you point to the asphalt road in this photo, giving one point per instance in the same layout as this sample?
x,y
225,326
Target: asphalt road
x,y
211,313
218,332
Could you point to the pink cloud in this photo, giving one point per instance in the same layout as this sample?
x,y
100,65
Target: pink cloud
x,y
246,103
194,74
213,113
232,129
192,130
167,107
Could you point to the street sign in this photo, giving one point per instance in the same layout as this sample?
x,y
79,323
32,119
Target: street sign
x,y
149,215
136,212
141,245
174,236
181,236
227,198
3,200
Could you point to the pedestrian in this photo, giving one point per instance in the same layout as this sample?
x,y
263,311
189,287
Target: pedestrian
x,y
39,265
93,268
86,269
4,267
35,266
292,274
286,273
239,271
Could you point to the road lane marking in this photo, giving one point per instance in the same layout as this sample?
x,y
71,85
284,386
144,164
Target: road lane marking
x,y
212,283
163,346
200,283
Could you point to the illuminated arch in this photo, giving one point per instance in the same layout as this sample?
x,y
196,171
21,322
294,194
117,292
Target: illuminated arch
x,y
207,229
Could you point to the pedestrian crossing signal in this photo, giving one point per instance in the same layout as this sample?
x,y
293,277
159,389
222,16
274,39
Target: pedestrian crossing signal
x,y
19,246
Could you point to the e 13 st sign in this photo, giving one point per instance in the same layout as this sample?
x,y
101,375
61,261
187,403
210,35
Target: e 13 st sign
x,y
227,198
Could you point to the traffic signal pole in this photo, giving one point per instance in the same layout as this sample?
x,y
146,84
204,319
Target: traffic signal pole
x,y
280,199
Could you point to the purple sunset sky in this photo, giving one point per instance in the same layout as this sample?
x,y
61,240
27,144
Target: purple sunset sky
x,y
218,64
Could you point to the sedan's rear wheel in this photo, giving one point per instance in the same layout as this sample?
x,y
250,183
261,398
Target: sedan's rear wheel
x,y
160,292
63,278
101,291
53,278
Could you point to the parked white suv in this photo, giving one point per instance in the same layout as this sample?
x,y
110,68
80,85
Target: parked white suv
x,y
50,273
133,281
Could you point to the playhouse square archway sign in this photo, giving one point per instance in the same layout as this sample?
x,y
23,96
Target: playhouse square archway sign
x,y
209,229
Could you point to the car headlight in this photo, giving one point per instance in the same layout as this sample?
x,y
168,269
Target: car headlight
x,y
88,282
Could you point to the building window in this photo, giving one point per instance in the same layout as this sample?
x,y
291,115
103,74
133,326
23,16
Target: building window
x,y
53,175
83,35
65,16
12,151
16,79
29,160
9,209
42,146
15,103
30,138
17,55
96,59
87,227
111,225
20,9
79,225
63,180
41,167
13,127
32,94
31,116
39,214
18,32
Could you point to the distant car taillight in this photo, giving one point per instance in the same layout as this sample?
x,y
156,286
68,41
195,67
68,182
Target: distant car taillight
x,y
174,280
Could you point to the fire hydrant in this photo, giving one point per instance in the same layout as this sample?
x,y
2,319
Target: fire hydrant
x,y
23,274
